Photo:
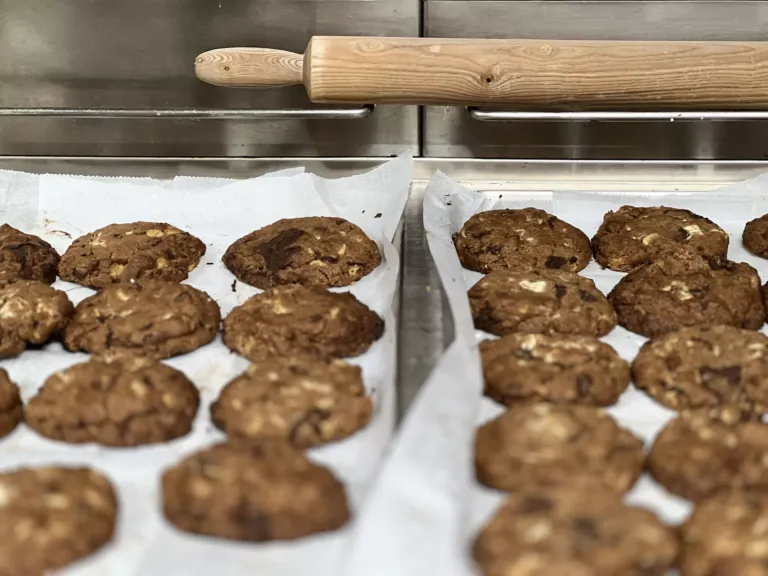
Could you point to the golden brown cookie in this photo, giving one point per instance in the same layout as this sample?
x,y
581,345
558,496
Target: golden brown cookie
x,y
254,491
551,445
25,257
11,408
755,236
132,251
297,320
300,399
314,251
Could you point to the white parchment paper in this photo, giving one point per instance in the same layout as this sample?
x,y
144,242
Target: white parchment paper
x,y
427,484
218,211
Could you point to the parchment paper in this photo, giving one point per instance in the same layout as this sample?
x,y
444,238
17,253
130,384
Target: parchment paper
x,y
427,484
60,208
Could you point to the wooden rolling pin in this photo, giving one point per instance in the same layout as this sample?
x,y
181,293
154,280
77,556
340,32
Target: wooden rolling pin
x,y
514,74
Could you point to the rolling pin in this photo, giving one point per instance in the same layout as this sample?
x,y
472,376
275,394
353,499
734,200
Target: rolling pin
x,y
514,74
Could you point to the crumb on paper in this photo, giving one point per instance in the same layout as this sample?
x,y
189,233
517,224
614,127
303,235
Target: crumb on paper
x,y
234,285
449,203
209,263
61,233
363,211
48,221
378,215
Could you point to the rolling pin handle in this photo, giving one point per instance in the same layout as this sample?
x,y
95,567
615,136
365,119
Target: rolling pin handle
x,y
250,67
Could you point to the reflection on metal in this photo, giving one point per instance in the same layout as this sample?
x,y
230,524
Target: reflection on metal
x,y
484,115
196,113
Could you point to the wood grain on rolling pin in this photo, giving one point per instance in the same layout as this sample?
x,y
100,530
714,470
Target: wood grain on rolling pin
x,y
237,67
536,74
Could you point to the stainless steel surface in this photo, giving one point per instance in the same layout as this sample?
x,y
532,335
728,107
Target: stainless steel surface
x,y
195,113
484,115
451,132
114,54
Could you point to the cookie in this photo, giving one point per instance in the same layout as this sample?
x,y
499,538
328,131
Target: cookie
x,y
720,453
254,491
755,236
303,400
558,369
705,366
633,236
126,402
25,257
727,534
11,408
126,252
570,532
296,320
527,239
687,290
314,251
51,517
550,445
545,302
31,312
151,318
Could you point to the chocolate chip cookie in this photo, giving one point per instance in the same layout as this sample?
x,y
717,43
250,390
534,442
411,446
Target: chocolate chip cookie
x,y
755,236
114,402
704,366
544,301
549,445
633,236
687,290
253,491
314,251
527,239
31,312
151,318
51,517
126,252
25,257
727,534
303,400
571,532
719,453
296,320
558,369
11,408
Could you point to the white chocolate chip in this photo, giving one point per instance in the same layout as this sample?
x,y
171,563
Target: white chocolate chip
x,y
650,238
154,233
693,230
342,250
535,286
116,270
162,263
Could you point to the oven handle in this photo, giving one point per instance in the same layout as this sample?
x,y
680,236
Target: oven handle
x,y
485,115
195,113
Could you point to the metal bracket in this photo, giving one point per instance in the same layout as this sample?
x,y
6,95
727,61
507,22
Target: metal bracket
x,y
483,115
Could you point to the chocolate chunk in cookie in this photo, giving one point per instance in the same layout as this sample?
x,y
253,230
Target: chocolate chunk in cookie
x,y
295,320
11,408
254,491
25,257
115,402
31,312
558,369
703,366
151,318
687,290
696,455
527,239
546,302
314,251
727,534
570,532
303,400
755,236
126,252
51,517
633,236
552,445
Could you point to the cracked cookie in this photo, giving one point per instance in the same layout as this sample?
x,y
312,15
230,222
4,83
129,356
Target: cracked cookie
x,y
150,318
521,240
572,532
544,301
683,290
722,452
296,320
558,369
727,534
303,400
633,236
126,252
253,491
314,251
51,517
552,445
755,236
114,402
704,366
11,408
25,257
31,312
